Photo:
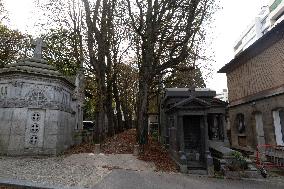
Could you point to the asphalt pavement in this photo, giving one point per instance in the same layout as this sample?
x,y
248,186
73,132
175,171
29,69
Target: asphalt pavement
x,y
127,179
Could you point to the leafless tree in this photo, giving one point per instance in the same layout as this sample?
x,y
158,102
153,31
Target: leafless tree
x,y
167,31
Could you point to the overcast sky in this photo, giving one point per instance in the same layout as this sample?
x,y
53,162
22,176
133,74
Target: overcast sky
x,y
230,22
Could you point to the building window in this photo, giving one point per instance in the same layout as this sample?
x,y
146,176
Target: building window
x,y
241,123
278,118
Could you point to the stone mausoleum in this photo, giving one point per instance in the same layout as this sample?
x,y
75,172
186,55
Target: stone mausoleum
x,y
39,113
193,122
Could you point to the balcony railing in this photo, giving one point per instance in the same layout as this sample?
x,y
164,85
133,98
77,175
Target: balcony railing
x,y
274,5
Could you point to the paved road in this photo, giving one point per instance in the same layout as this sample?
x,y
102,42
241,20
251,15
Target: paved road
x,y
125,179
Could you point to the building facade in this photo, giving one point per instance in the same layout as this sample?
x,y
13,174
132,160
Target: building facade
x,y
276,9
256,92
269,16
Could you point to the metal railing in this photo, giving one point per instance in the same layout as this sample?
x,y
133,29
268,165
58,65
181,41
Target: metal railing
x,y
270,156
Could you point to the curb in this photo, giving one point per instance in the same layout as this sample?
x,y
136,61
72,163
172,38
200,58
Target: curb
x,y
24,184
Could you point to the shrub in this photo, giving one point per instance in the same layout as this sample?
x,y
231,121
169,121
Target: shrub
x,y
238,163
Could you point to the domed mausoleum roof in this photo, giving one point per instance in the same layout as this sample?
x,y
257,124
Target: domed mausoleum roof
x,y
34,66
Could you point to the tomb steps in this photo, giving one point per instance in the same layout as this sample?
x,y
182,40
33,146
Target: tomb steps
x,y
195,167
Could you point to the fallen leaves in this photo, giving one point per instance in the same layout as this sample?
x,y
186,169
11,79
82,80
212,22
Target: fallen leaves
x,y
82,148
122,143
7,187
155,152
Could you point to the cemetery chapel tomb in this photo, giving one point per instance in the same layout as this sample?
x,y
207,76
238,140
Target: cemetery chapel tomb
x,y
39,113
191,121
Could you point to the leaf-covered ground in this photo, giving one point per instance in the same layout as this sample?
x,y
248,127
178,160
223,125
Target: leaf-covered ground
x,y
82,148
123,143
154,152
7,187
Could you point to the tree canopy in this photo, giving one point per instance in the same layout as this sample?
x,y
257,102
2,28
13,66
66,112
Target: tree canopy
x,y
13,45
128,50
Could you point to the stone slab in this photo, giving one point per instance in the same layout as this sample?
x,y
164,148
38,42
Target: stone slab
x,y
220,147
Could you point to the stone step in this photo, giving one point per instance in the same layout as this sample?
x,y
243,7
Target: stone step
x,y
198,172
195,165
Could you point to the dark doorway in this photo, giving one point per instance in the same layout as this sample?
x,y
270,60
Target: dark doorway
x,y
192,134
193,142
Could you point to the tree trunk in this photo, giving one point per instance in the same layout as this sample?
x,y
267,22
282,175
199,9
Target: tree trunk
x,y
109,109
118,105
142,114
126,113
100,117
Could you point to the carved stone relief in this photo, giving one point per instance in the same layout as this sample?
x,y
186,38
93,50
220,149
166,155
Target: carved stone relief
x,y
3,91
34,94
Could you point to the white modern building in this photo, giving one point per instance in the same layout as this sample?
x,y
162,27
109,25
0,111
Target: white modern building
x,y
268,17
276,8
223,95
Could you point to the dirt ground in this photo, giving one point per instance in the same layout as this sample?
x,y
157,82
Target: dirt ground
x,y
124,142
7,187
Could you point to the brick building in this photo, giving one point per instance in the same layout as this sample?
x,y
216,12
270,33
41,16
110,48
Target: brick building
x,y
256,92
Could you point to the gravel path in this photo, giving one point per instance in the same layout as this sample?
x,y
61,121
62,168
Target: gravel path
x,y
84,170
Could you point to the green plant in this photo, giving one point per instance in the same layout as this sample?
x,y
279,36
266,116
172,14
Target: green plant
x,y
238,155
155,135
238,163
78,134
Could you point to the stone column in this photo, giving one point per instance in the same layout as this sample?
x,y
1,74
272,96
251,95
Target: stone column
x,y
202,141
215,128
206,137
224,124
209,159
180,133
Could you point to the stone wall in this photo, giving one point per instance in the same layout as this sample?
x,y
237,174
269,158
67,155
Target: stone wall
x,y
24,97
57,135
5,127
249,137
261,73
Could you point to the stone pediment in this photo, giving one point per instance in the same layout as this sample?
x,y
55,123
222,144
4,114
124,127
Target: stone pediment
x,y
217,102
191,102
194,102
